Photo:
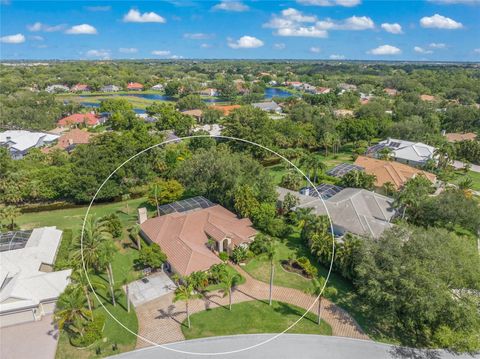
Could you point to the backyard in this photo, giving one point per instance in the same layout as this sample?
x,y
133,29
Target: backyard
x,y
253,317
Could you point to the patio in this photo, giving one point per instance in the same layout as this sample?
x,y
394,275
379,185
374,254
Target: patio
x,y
150,288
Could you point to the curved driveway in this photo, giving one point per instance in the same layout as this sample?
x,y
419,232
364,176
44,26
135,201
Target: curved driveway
x,y
288,346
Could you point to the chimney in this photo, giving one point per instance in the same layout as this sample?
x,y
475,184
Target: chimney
x,y
307,191
444,132
142,215
9,138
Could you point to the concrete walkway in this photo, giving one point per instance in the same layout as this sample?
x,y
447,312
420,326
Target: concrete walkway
x,y
160,320
460,165
30,340
288,346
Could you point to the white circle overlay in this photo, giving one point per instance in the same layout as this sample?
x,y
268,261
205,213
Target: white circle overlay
x,y
165,346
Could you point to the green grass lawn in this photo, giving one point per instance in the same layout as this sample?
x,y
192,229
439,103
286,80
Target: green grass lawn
x,y
253,317
72,218
460,175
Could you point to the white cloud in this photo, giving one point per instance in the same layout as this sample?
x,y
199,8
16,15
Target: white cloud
x,y
205,46
98,8
83,29
245,42
38,26
279,46
435,45
197,36
135,16
37,38
385,50
103,54
13,39
421,50
315,50
392,28
226,5
440,22
291,22
336,57
161,52
346,3
477,51
176,57
128,50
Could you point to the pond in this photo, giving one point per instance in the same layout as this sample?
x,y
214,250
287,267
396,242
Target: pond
x,y
271,92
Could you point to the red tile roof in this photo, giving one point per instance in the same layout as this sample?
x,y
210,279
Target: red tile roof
x,y
225,109
134,86
454,137
184,236
89,119
72,137
80,87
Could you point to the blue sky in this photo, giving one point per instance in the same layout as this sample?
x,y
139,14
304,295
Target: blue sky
x,y
443,30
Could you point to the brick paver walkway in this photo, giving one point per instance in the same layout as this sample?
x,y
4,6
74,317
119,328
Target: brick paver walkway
x,y
160,320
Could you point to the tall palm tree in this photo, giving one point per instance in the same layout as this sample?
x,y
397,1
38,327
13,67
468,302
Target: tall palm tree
x,y
445,155
135,234
79,281
316,290
313,165
301,216
271,253
229,281
185,292
71,311
9,214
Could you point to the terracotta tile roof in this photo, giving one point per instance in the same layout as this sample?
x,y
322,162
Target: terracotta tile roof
x,y
427,98
197,113
80,87
454,137
72,137
134,86
225,109
391,171
78,118
184,236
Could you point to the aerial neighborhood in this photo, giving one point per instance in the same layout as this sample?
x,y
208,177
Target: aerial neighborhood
x,y
369,170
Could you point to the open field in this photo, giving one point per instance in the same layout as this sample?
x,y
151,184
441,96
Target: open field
x,y
460,176
253,317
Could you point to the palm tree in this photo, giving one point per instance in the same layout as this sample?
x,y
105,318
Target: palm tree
x,y
185,292
10,213
79,281
317,290
199,280
445,155
313,165
228,283
70,310
271,253
135,234
301,216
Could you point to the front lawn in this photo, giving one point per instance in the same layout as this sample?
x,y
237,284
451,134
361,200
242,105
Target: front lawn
x,y
251,318
460,176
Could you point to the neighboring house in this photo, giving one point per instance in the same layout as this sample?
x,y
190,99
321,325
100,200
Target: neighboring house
x,y
57,88
110,88
297,85
69,140
410,153
157,87
270,106
19,142
134,86
209,92
342,169
427,98
146,118
225,109
390,91
342,113
309,88
346,87
87,119
184,234
80,88
322,90
213,130
457,137
197,114
389,171
29,287
352,210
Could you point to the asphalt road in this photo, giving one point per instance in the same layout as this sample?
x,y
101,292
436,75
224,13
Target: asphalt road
x,y
297,346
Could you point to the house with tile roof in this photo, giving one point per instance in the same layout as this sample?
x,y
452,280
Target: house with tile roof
x,y
69,140
78,119
352,210
29,287
458,137
19,142
134,86
410,153
184,236
225,109
390,171
80,88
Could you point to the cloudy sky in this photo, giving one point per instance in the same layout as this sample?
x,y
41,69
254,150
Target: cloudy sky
x,y
447,30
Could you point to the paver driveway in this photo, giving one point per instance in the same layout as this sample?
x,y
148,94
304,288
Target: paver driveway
x,y
160,320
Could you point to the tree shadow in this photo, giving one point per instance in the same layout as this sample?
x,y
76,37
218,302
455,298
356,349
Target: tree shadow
x,y
171,313
285,309
412,353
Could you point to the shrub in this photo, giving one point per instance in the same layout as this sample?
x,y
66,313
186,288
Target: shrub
x,y
260,244
151,256
223,256
216,272
114,225
92,332
240,254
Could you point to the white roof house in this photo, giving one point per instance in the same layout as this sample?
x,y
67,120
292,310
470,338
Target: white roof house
x,y
26,279
213,129
270,106
19,142
353,210
411,153
57,88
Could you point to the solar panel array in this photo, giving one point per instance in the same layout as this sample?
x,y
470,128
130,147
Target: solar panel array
x,y
325,190
376,148
341,169
13,240
185,205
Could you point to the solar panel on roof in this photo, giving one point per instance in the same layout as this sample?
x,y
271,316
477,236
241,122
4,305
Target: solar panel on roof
x,y
185,205
343,168
395,144
14,240
326,190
